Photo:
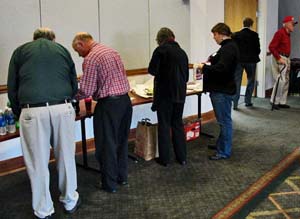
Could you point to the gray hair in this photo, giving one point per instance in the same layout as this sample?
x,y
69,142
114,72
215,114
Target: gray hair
x,y
164,34
44,32
82,36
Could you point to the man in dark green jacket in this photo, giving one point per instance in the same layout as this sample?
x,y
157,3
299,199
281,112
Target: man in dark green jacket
x,y
41,82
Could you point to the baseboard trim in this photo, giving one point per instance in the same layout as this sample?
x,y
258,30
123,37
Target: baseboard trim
x,y
17,164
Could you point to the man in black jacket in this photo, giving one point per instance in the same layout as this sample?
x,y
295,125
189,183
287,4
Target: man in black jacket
x,y
249,47
169,65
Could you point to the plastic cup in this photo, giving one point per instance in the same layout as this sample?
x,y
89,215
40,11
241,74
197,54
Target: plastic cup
x,y
88,104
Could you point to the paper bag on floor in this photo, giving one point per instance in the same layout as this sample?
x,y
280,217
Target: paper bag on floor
x,y
145,141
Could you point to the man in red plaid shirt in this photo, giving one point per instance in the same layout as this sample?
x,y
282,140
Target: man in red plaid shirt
x,y
104,78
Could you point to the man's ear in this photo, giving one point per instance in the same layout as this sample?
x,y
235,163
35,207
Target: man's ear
x,y
79,44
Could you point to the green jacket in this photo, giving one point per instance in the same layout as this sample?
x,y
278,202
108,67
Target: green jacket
x,y
40,71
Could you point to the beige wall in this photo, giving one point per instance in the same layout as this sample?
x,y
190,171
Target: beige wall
x,y
128,26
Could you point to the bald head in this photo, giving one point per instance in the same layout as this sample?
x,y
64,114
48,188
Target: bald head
x,y
82,43
44,32
82,36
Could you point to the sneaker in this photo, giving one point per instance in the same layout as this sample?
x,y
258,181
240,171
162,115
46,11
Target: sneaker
x,y
47,217
78,203
249,104
123,182
218,157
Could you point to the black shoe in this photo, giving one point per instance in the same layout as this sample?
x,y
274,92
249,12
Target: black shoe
x,y
275,106
235,108
284,106
109,190
249,104
218,157
165,164
78,203
123,183
183,163
212,147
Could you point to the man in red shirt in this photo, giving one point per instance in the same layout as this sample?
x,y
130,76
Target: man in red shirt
x,y
280,48
104,78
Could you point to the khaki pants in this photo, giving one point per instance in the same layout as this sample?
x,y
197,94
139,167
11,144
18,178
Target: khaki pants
x,y
41,127
283,85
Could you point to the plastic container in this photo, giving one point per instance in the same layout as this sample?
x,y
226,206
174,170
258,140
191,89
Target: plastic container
x,y
88,104
2,123
197,73
10,121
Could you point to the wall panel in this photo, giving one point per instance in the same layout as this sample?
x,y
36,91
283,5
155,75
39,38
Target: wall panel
x,y
124,27
18,21
291,8
67,18
174,14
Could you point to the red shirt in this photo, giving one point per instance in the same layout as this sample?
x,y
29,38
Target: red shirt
x,y
103,74
280,44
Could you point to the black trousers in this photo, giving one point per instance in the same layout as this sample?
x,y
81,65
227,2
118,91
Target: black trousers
x,y
112,119
170,130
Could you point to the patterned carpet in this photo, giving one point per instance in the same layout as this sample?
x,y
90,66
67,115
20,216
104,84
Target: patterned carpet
x,y
261,139
282,203
272,196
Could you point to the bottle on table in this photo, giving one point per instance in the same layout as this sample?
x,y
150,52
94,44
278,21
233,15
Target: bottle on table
x,y
10,121
2,123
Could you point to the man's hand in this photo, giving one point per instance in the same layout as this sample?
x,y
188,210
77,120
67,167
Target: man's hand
x,y
282,61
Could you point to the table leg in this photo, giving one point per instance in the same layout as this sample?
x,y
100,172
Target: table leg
x,y
83,141
84,148
200,117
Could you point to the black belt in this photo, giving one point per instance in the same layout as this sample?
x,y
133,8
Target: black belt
x,y
285,55
50,103
115,97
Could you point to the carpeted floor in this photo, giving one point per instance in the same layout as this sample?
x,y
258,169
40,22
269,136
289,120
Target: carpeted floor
x,y
282,202
262,138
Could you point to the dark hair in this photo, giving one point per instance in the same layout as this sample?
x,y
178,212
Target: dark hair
x,y
221,28
247,22
45,33
164,35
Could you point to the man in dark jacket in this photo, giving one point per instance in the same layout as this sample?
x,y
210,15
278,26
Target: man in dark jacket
x,y
249,47
169,65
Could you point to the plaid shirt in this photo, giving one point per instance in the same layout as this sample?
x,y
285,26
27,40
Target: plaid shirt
x,y
103,74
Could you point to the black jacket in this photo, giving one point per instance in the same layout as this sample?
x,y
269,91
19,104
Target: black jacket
x,y
219,76
248,43
169,65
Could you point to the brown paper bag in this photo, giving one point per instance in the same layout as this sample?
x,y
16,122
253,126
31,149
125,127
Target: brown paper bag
x,y
145,141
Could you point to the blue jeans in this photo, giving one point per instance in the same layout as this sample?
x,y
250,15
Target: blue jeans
x,y
250,69
222,107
